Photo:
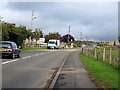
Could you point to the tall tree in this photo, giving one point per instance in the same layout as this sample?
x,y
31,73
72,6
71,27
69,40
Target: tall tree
x,y
37,33
55,35
11,32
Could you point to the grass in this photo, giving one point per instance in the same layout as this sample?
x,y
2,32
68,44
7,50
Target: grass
x,y
34,48
104,74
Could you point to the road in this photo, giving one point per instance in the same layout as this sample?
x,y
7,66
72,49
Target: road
x,y
34,69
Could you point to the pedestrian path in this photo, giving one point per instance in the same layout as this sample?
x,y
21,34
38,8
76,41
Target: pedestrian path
x,y
73,74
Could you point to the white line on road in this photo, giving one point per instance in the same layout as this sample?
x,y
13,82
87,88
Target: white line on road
x,y
26,57
14,60
10,61
22,58
42,53
37,54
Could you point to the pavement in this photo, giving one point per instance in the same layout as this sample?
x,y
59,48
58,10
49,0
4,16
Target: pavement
x,y
73,74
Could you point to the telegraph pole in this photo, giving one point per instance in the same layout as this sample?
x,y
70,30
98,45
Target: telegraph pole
x,y
86,40
81,39
81,36
69,34
1,28
32,18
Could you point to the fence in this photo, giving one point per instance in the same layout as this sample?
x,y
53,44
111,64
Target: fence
x,y
110,55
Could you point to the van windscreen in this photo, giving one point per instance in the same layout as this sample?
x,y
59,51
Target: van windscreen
x,y
50,42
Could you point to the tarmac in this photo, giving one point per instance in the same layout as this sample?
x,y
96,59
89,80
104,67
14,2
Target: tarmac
x,y
73,74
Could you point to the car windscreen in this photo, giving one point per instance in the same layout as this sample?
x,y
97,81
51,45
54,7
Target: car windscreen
x,y
51,42
5,45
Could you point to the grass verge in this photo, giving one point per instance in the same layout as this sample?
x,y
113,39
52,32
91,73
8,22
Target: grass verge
x,y
33,48
105,75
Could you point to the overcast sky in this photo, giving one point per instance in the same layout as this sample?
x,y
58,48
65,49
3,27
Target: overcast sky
x,y
96,20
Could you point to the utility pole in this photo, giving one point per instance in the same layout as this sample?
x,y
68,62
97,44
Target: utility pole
x,y
1,19
32,18
1,28
86,40
69,34
1,23
81,36
81,39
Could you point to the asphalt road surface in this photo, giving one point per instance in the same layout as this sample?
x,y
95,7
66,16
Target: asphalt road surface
x,y
32,70
35,68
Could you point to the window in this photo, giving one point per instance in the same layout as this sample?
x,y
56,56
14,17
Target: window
x,y
5,45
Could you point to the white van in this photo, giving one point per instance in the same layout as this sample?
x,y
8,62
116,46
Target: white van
x,y
53,44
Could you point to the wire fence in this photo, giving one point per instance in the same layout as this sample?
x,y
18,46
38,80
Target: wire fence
x,y
109,55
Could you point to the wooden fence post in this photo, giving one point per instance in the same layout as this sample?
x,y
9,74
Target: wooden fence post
x,y
98,53
110,56
118,56
82,51
104,54
95,53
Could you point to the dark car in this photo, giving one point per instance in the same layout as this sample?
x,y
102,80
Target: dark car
x,y
8,48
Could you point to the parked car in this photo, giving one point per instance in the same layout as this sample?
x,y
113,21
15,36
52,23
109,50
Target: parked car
x,y
8,48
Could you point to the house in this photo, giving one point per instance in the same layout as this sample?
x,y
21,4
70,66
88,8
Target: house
x,y
113,43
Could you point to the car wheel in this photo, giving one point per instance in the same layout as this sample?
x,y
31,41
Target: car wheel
x,y
18,56
12,56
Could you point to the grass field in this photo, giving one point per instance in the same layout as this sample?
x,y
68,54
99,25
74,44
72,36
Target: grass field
x,y
34,48
104,74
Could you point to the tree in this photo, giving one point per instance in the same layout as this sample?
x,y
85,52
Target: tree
x,y
22,34
6,29
11,32
55,35
37,33
79,43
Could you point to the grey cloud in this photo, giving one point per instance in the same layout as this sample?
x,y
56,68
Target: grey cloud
x,y
22,6
95,20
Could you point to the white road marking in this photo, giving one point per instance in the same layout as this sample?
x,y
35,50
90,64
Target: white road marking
x,y
22,58
42,53
37,54
14,60
10,61
26,57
